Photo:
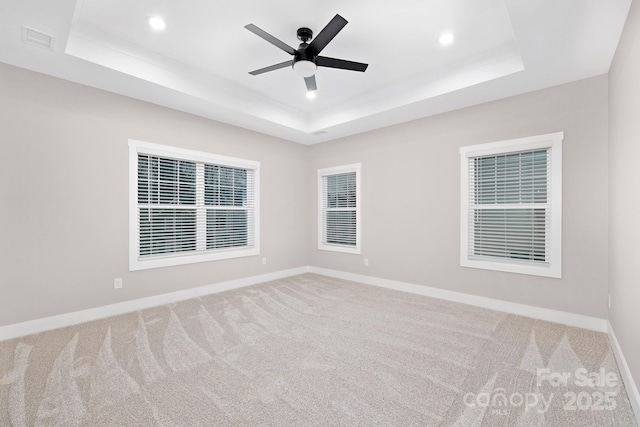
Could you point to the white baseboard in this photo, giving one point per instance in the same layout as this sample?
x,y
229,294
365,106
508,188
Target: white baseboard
x,y
571,319
629,383
68,319
54,322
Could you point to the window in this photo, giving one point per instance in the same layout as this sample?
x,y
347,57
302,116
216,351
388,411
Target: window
x,y
188,206
339,209
511,205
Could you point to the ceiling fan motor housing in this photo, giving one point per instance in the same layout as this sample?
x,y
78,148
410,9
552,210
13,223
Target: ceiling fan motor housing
x,y
304,64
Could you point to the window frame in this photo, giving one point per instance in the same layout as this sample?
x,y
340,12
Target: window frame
x,y
180,258
339,170
553,254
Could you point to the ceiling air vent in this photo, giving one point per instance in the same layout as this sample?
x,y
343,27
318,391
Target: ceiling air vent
x,y
37,38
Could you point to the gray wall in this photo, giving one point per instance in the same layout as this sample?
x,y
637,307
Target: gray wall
x,y
64,171
624,192
64,196
411,197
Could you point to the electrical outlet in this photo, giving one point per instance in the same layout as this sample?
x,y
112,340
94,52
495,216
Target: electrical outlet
x,y
366,262
609,301
264,261
117,283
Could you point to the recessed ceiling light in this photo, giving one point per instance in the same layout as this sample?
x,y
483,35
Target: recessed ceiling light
x,y
311,94
446,38
157,22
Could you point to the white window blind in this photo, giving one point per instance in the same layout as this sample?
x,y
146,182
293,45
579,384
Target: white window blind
x,y
339,217
509,222
191,207
509,206
230,206
166,205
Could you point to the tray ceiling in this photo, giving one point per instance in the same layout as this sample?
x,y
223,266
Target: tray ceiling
x,y
200,62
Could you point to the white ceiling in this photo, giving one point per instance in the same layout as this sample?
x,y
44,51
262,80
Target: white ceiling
x,y
200,62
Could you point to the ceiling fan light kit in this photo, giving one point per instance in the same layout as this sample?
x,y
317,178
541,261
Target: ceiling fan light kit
x,y
304,68
306,58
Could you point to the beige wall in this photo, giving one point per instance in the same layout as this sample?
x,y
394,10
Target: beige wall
x,y
64,196
411,197
624,192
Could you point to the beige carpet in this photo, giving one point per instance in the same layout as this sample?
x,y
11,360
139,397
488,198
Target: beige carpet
x,y
312,350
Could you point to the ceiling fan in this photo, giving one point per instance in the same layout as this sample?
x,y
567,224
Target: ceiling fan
x,y
306,58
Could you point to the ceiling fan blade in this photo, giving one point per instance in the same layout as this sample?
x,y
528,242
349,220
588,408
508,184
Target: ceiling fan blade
x,y
327,34
323,61
271,68
311,83
271,39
